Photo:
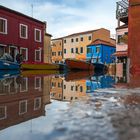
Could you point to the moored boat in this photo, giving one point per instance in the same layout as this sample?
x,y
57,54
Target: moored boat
x,y
79,64
39,66
8,65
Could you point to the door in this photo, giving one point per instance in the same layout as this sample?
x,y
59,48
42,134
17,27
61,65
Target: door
x,y
13,52
1,51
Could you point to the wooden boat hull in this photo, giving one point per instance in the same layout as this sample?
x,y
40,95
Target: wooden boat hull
x,y
78,64
8,65
38,66
39,72
79,75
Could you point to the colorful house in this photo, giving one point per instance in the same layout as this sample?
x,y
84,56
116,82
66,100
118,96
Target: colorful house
x,y
21,34
75,44
101,51
57,50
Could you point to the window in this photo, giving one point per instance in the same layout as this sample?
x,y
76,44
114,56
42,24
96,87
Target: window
x,y
72,40
24,52
65,41
59,53
38,83
81,49
3,26
65,51
37,35
76,50
37,103
81,38
22,107
72,88
64,86
38,55
72,50
123,38
23,31
88,88
24,85
3,112
76,88
89,50
81,89
97,49
59,85
89,38
76,39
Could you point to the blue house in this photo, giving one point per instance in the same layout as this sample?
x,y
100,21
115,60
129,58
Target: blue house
x,y
101,51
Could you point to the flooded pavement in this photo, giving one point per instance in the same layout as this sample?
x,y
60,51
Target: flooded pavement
x,y
80,106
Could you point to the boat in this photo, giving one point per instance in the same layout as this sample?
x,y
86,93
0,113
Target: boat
x,y
39,66
78,75
39,72
75,64
99,67
8,65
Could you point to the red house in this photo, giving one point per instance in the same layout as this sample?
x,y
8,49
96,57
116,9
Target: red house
x,y
21,34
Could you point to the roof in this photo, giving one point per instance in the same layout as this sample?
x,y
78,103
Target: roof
x,y
121,53
79,33
57,39
21,14
122,27
102,42
47,34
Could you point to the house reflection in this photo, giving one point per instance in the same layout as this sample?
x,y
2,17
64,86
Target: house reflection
x,y
96,82
22,99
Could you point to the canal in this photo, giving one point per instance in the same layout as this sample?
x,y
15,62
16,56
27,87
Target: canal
x,y
49,105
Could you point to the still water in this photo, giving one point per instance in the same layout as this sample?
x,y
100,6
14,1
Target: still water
x,y
32,103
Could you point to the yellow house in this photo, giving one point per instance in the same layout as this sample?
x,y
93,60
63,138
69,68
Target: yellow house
x,y
56,91
47,48
57,50
75,44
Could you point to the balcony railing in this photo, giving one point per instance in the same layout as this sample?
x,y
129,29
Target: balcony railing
x,y
122,9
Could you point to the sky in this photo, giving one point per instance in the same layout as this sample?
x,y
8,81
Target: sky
x,y
66,17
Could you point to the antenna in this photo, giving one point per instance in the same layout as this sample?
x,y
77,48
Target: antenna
x,y
32,9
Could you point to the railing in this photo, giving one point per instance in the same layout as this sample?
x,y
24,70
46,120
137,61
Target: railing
x,y
122,9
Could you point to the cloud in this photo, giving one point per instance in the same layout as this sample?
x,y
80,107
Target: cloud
x,y
68,16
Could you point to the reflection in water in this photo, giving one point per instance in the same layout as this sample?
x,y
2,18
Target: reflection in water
x,y
25,97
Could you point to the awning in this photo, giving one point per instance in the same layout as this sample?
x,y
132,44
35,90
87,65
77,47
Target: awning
x,y
121,53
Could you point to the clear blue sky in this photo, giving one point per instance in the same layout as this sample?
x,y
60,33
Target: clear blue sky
x,y
69,16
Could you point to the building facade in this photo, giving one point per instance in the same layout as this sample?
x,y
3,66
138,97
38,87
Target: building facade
x,y
101,51
57,50
21,34
47,48
134,29
75,44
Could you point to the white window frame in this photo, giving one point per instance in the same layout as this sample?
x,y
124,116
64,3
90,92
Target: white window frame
x,y
38,98
26,49
35,35
26,31
39,50
5,115
5,26
38,87
20,113
26,86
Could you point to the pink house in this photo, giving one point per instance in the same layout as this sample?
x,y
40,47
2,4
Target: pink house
x,y
21,34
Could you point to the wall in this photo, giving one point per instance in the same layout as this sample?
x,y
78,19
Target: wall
x,y
47,49
13,37
134,35
57,46
121,46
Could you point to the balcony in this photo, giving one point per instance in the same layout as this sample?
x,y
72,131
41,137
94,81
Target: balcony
x,y
122,11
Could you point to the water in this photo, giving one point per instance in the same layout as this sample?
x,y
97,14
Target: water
x,y
40,105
